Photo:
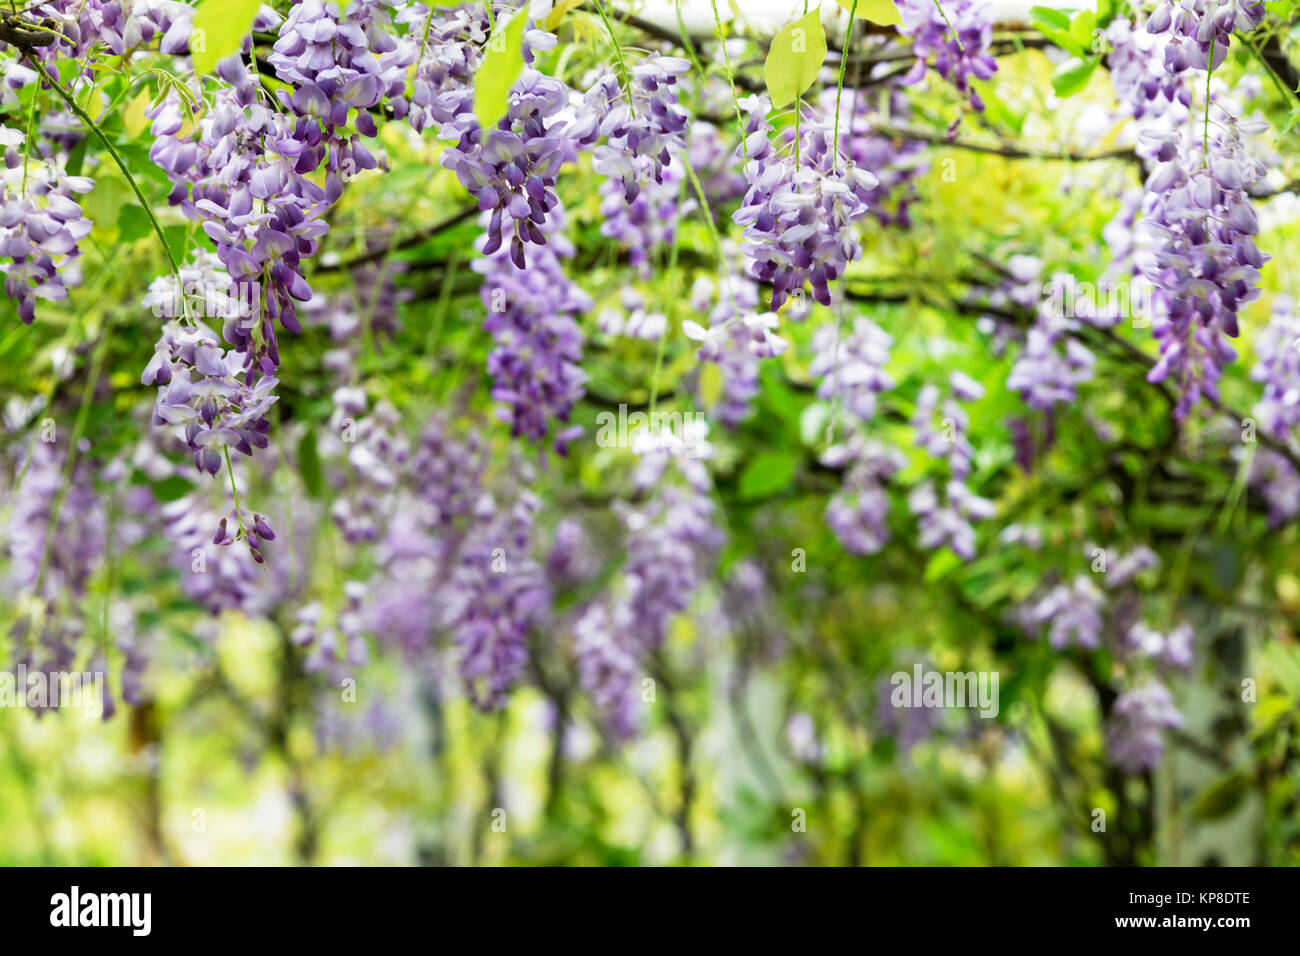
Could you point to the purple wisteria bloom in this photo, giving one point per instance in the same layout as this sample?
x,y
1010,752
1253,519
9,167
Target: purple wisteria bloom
x,y
1203,262
643,126
343,61
948,520
532,317
957,58
202,388
1135,732
41,226
799,211
241,174
1199,31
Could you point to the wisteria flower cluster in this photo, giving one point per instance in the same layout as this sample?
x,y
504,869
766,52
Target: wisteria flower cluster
x,y
1103,608
671,541
343,62
737,339
802,202
948,520
642,126
1204,261
1199,31
450,49
241,173
511,169
41,226
1277,413
952,39
532,317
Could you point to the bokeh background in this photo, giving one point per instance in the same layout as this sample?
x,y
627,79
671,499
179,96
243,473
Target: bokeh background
x,y
766,735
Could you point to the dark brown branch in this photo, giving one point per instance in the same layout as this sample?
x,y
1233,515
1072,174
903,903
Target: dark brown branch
x,y
416,238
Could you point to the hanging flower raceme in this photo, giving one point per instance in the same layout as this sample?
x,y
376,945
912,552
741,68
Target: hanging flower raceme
x,y
202,389
897,165
948,520
239,175
215,577
41,226
1199,31
511,169
450,49
852,373
647,222
852,367
1277,413
802,202
609,667
858,513
50,559
1135,732
737,339
1053,363
1204,263
1100,610
498,596
671,542
532,317
1072,612
643,126
343,61
953,39
1147,90
376,453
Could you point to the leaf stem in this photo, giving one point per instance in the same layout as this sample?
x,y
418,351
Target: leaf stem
x,y
960,48
839,89
618,54
731,80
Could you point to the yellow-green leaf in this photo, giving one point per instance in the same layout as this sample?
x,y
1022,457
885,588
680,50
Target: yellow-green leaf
x,y
133,119
499,70
877,11
795,59
562,7
219,28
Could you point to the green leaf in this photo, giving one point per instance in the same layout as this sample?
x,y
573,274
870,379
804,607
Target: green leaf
x,y
313,476
944,562
1040,16
882,12
219,28
1072,76
1223,796
133,119
795,59
132,223
1055,25
499,70
77,158
767,474
1082,27
170,489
